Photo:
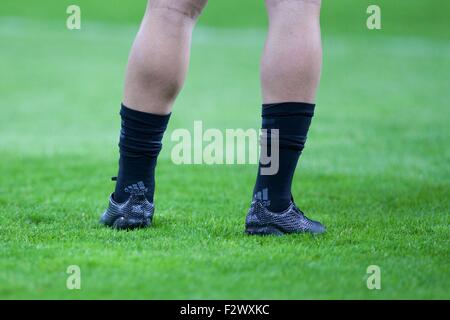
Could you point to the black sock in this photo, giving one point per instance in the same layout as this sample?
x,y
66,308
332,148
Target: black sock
x,y
140,144
292,119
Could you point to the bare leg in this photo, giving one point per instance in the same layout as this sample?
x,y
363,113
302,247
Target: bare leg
x,y
290,73
292,59
156,71
159,58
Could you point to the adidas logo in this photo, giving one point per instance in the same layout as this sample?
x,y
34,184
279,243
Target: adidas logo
x,y
136,188
263,196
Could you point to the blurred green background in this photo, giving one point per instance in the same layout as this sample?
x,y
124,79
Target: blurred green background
x,y
414,17
375,169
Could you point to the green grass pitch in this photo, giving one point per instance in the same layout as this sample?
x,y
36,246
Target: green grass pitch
x,y
375,169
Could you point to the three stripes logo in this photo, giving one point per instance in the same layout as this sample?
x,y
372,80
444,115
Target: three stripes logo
x,y
136,188
263,196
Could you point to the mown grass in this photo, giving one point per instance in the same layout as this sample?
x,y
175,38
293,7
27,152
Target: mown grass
x,y
375,171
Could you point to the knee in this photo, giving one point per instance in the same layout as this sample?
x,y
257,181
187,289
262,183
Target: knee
x,y
185,9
